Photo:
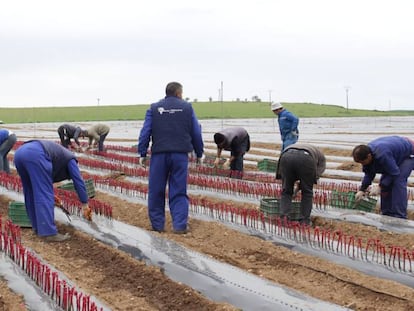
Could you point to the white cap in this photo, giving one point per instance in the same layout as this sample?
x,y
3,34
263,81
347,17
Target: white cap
x,y
276,106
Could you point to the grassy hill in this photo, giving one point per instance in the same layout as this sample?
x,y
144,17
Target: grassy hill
x,y
204,110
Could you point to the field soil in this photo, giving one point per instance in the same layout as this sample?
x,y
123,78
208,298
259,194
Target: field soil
x,y
123,283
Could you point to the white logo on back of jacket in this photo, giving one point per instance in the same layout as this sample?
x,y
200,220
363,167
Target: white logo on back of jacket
x,y
161,110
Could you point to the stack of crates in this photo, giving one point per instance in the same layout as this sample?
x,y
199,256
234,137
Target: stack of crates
x,y
90,188
267,165
18,215
347,200
270,207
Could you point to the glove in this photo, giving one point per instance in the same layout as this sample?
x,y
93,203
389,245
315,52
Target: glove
x,y
359,196
226,164
200,161
375,190
87,212
216,162
58,201
143,161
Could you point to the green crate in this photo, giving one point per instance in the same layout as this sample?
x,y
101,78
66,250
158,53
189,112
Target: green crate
x,y
18,215
343,199
209,159
270,208
90,188
347,200
269,205
267,165
367,204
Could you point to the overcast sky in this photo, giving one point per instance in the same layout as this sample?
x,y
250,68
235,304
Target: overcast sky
x,y
70,53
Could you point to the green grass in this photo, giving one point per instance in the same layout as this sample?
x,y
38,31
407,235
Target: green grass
x,y
204,110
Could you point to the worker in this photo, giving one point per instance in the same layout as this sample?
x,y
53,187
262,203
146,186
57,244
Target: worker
x,y
288,125
7,141
174,131
67,132
96,135
237,141
393,157
303,165
40,163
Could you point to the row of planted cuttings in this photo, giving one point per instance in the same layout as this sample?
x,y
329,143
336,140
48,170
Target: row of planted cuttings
x,y
63,294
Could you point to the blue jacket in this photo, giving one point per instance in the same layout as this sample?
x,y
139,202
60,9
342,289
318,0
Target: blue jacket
x,y
388,154
288,123
172,126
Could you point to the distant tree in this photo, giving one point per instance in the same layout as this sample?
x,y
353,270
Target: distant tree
x,y
195,100
237,99
256,98
187,98
210,99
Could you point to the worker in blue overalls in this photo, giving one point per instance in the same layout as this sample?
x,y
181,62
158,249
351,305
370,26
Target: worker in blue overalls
x,y
40,163
393,157
174,130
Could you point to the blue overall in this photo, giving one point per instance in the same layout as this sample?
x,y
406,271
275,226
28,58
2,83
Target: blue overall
x,y
392,157
173,129
171,167
39,168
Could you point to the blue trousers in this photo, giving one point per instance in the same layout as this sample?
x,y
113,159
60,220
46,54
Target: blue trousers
x,y
5,148
35,170
288,140
171,168
394,197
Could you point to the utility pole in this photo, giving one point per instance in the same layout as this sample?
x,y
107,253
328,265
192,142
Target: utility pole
x,y
270,96
346,92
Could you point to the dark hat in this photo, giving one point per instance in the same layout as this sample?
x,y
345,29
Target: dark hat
x,y
219,138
